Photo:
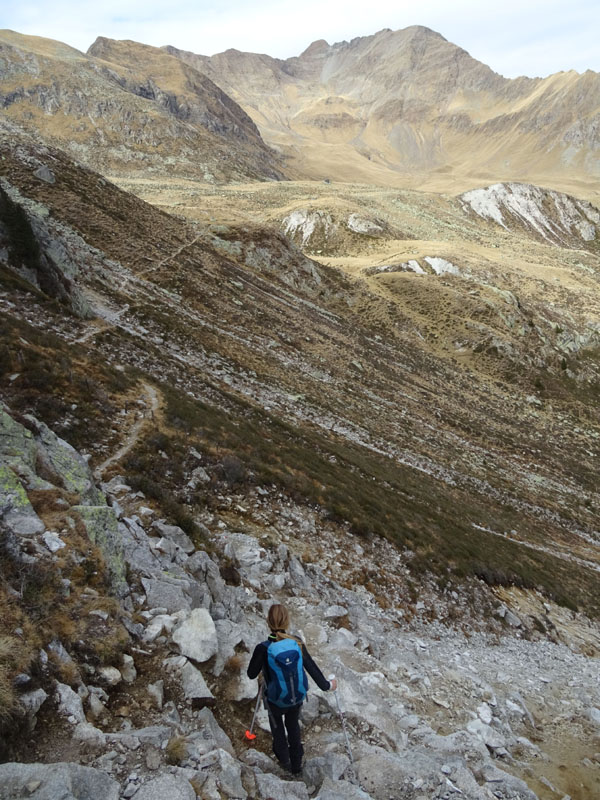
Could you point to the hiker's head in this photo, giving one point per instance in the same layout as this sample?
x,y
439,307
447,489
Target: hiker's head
x,y
278,618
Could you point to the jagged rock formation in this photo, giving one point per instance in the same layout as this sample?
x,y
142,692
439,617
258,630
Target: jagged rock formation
x,y
127,107
410,108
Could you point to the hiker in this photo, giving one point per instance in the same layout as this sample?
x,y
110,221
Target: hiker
x,y
282,659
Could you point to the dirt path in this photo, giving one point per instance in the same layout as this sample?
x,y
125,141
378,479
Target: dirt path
x,y
150,395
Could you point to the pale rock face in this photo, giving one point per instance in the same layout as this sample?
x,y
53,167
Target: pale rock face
x,y
165,594
208,735
306,222
196,637
360,225
442,267
553,215
69,703
341,790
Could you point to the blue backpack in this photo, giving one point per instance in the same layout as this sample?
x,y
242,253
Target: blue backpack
x,y
288,685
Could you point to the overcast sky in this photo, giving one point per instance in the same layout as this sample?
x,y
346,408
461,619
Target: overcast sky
x,y
514,37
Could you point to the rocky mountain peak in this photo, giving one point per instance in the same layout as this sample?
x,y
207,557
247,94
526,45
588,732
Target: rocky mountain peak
x,y
317,48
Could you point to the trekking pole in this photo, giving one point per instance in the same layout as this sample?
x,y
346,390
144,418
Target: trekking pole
x,y
249,733
343,719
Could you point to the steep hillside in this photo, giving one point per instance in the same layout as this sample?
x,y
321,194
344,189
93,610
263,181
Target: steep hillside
x,y
198,418
408,108
241,321
140,111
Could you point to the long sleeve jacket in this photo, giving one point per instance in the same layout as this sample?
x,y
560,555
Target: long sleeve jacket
x,y
259,663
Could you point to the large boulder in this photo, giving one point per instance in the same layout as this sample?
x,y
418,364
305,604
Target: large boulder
x,y
196,637
61,781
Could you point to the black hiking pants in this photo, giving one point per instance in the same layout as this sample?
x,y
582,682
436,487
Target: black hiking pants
x,y
287,748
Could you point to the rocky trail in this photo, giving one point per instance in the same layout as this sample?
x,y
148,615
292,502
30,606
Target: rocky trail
x,y
150,404
432,710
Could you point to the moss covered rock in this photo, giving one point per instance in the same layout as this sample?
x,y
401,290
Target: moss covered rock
x,y
102,527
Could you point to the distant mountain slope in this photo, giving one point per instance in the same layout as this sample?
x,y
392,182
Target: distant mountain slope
x,y
408,106
127,107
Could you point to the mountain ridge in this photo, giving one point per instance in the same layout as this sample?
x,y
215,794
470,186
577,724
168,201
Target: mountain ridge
x,y
379,98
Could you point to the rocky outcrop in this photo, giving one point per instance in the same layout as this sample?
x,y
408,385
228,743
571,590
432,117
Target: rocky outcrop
x,y
31,251
323,232
545,214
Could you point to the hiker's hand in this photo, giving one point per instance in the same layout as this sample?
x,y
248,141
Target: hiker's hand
x,y
333,684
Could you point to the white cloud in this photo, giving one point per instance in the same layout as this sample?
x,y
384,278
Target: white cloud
x,y
516,37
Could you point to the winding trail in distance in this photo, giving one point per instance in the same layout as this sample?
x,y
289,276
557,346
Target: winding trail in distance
x,y
150,395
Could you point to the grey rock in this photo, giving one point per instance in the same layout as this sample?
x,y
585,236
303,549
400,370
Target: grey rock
x,y
33,701
88,735
263,762
486,733
152,735
512,619
176,535
341,790
208,736
594,715
45,174
110,676
128,670
330,765
166,594
195,688
69,703
226,772
102,527
196,637
335,612
270,786
16,512
161,623
166,786
53,541
229,635
60,781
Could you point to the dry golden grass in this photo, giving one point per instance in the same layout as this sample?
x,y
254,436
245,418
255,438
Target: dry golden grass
x,y
234,664
176,750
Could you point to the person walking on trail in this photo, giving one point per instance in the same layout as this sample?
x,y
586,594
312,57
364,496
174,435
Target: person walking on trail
x,y
283,659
